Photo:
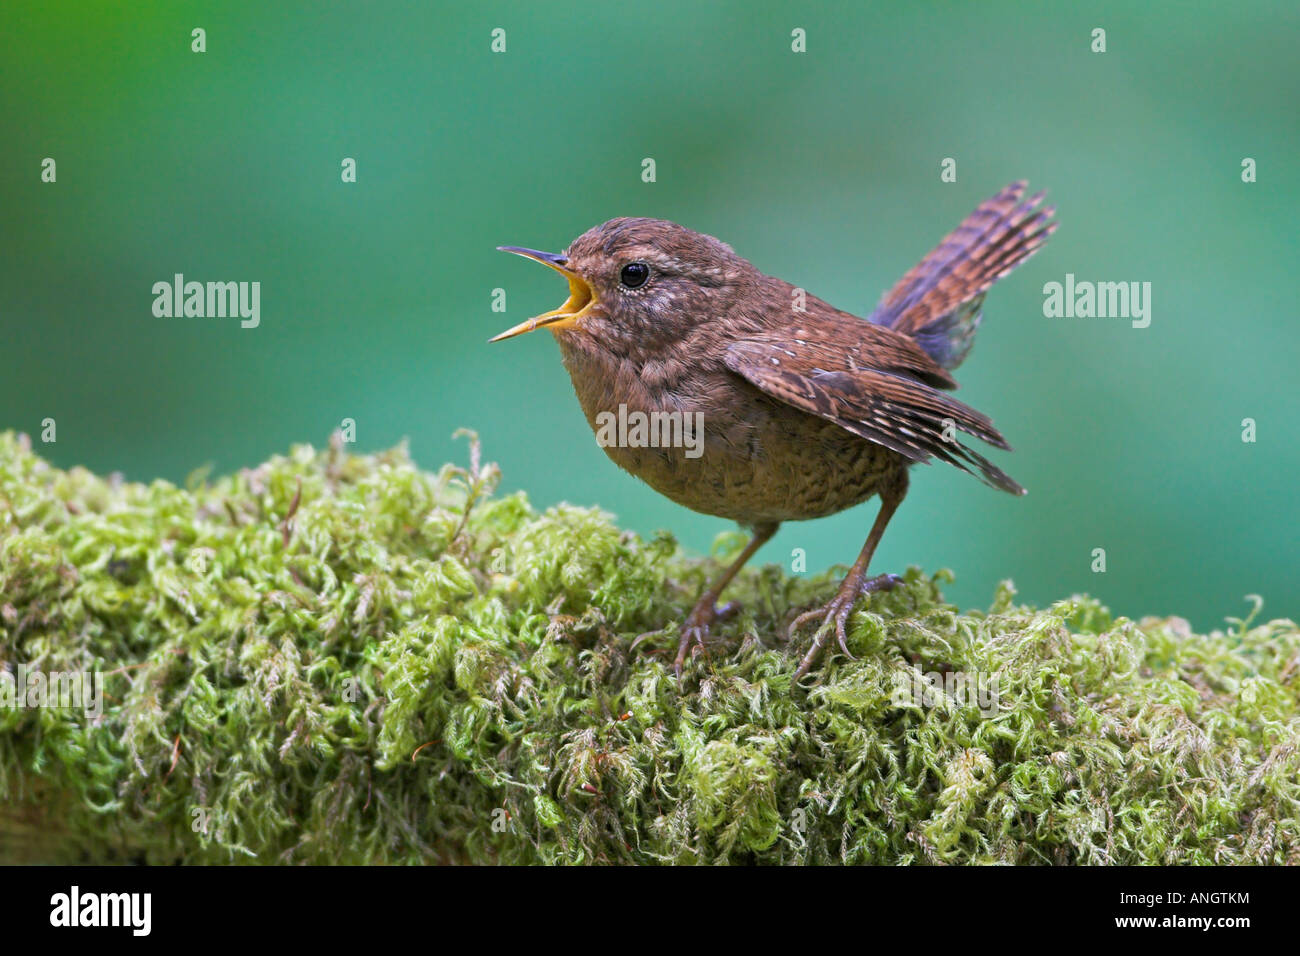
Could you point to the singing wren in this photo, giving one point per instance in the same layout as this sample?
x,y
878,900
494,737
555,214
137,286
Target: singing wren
x,y
805,409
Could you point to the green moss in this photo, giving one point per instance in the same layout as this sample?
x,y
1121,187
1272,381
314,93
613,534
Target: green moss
x,y
334,658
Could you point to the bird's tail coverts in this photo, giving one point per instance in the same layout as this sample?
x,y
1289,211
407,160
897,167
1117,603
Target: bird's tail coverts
x,y
939,301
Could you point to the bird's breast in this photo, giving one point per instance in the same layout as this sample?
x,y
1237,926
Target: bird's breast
x,y
707,439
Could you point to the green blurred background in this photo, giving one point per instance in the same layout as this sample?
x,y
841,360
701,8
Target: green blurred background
x,y
821,167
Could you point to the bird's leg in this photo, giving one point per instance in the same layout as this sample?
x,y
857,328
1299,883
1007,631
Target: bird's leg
x,y
835,614
695,630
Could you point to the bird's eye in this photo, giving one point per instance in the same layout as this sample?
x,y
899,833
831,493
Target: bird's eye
x,y
634,275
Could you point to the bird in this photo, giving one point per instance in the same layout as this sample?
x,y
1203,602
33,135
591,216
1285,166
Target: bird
x,y
804,410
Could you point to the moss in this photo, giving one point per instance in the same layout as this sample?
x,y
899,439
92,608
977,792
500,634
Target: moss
x,y
338,658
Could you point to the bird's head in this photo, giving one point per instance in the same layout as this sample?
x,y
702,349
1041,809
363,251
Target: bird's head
x,y
637,280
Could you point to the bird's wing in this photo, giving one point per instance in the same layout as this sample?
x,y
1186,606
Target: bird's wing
x,y
870,393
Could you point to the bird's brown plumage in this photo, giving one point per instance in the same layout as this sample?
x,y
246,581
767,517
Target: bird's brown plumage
x,y
807,410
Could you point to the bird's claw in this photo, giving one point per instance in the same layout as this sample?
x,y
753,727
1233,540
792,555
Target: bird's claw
x,y
693,634
695,629
835,613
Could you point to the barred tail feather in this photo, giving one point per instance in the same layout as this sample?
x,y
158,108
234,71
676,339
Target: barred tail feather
x,y
939,302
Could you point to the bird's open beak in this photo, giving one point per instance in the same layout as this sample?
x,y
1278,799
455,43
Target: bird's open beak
x,y
581,297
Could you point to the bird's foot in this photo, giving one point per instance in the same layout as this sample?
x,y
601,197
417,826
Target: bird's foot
x,y
695,630
835,615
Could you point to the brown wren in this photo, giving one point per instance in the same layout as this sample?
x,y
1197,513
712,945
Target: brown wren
x,y
806,410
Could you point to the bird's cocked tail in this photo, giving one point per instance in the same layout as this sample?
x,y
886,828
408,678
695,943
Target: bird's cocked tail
x,y
938,303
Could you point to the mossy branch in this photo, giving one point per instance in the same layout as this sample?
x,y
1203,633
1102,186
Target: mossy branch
x,y
338,658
